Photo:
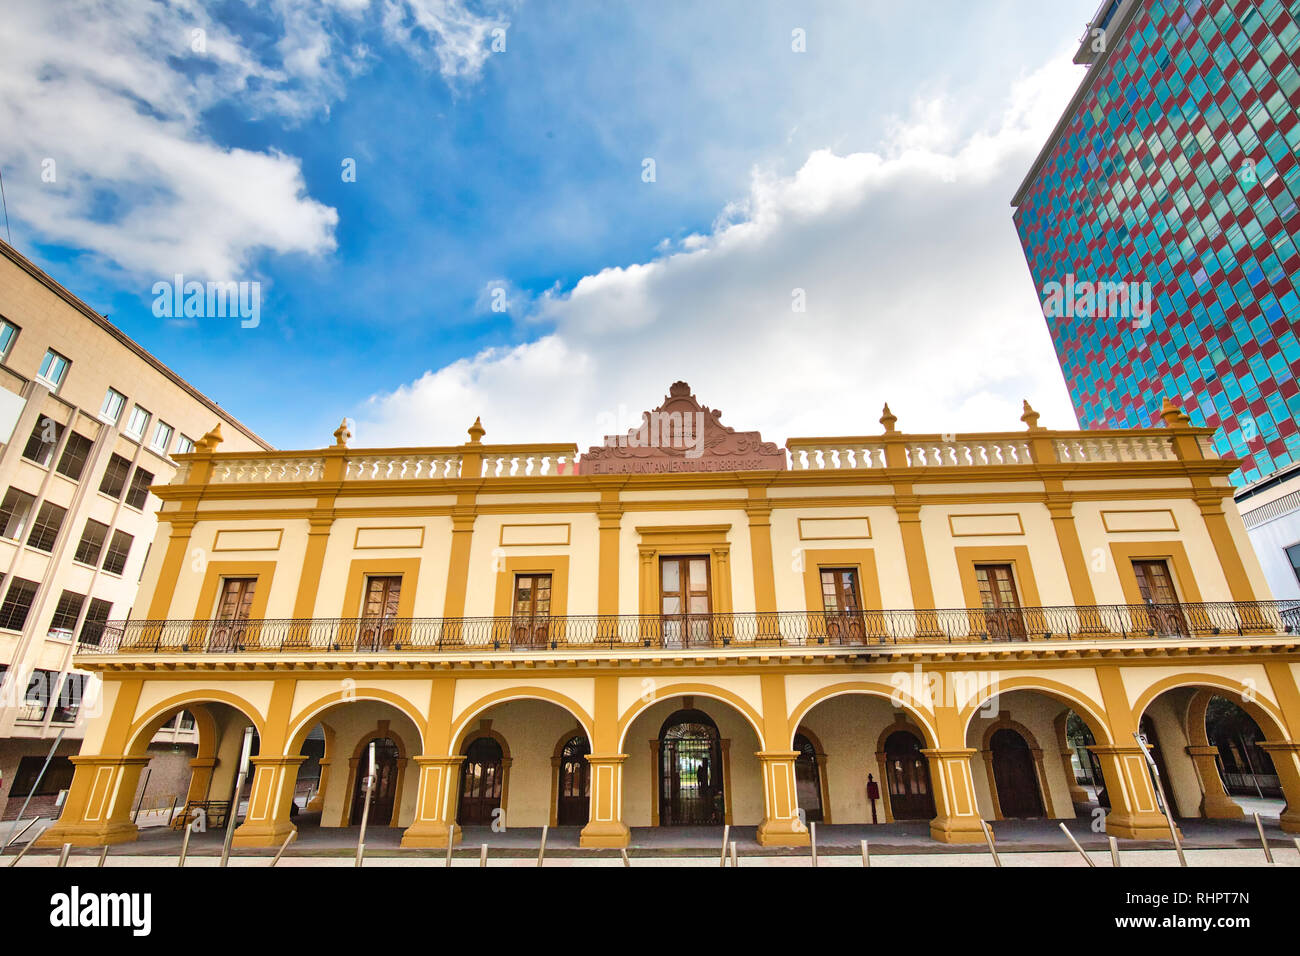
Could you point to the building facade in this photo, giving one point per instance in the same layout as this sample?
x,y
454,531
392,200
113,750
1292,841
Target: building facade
x,y
89,422
1270,510
691,626
1160,222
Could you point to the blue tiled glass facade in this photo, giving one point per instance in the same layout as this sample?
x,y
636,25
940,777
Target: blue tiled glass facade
x,y
1179,168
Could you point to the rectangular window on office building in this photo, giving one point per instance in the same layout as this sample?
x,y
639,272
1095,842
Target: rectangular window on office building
x,y
54,369
1293,553
137,423
111,410
17,603
45,530
162,437
92,629
75,455
114,480
67,704
184,445
8,332
44,440
64,622
15,512
91,545
118,550
138,495
37,698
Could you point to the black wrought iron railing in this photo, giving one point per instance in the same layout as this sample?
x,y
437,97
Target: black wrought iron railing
x,y
688,632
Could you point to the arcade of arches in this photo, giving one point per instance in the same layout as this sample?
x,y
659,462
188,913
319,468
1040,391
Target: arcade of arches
x,y
773,743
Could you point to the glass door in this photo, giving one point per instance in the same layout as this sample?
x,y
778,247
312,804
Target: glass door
x,y
685,601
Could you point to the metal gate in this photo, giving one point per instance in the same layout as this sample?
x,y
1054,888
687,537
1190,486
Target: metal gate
x,y
690,776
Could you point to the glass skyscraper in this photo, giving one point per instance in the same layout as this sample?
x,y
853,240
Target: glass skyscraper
x,y
1160,223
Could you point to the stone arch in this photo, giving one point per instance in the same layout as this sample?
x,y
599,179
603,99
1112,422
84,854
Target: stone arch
x,y
302,722
1263,711
924,724
143,729
461,725
721,695
1089,711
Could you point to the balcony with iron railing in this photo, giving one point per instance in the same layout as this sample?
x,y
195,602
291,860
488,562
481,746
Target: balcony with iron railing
x,y
581,633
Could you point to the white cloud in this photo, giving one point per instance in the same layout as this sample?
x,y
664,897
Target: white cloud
x,y
108,95
916,291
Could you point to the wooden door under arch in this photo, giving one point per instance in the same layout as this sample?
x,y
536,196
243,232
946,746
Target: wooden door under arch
x,y
481,779
384,795
907,773
807,779
573,799
1015,776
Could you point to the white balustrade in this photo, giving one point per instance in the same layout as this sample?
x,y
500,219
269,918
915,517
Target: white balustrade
x,y
259,470
1117,448
528,464
837,456
402,467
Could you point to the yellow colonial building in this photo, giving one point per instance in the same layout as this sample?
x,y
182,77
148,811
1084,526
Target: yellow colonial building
x,y
689,626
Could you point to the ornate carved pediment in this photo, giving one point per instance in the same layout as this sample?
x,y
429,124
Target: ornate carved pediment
x,y
682,435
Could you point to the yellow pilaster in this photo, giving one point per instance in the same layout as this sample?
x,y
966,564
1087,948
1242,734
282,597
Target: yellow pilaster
x,y
267,821
605,826
957,817
609,517
1286,761
918,566
1210,501
759,510
1134,810
435,804
781,825
98,807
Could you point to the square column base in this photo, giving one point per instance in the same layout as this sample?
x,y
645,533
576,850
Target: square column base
x,y
90,834
610,834
429,835
952,831
783,833
1139,826
262,834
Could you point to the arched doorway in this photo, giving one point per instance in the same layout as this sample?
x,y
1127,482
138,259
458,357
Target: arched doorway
x,y
807,778
573,799
1246,768
1081,741
480,783
690,771
907,773
1015,776
385,790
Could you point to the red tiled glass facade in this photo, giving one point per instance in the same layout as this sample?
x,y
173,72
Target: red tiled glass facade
x,y
1178,168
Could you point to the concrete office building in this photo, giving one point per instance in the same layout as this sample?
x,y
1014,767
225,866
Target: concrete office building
x,y
88,423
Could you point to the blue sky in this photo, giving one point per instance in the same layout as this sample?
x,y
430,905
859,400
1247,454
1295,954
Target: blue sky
x,y
872,170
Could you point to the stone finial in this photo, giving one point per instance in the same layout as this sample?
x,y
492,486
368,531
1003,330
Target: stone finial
x,y
888,419
209,442
342,434
476,432
1030,417
1173,416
